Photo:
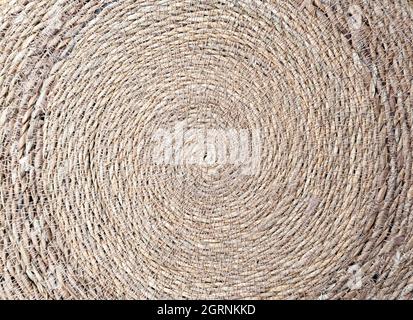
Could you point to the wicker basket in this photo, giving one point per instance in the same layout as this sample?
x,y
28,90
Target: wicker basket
x,y
206,149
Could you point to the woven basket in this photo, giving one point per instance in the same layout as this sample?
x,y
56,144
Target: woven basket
x,y
304,187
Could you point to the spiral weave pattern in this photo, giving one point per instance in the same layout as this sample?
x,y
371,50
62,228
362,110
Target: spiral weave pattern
x,y
323,91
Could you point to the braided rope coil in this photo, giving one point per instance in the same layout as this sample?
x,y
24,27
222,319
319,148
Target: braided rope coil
x,y
305,191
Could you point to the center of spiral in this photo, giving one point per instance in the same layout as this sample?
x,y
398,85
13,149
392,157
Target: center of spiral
x,y
185,145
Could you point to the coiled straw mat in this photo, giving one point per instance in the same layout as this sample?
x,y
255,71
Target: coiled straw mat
x,y
324,91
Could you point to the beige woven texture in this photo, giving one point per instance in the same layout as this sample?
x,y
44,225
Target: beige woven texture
x,y
326,215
